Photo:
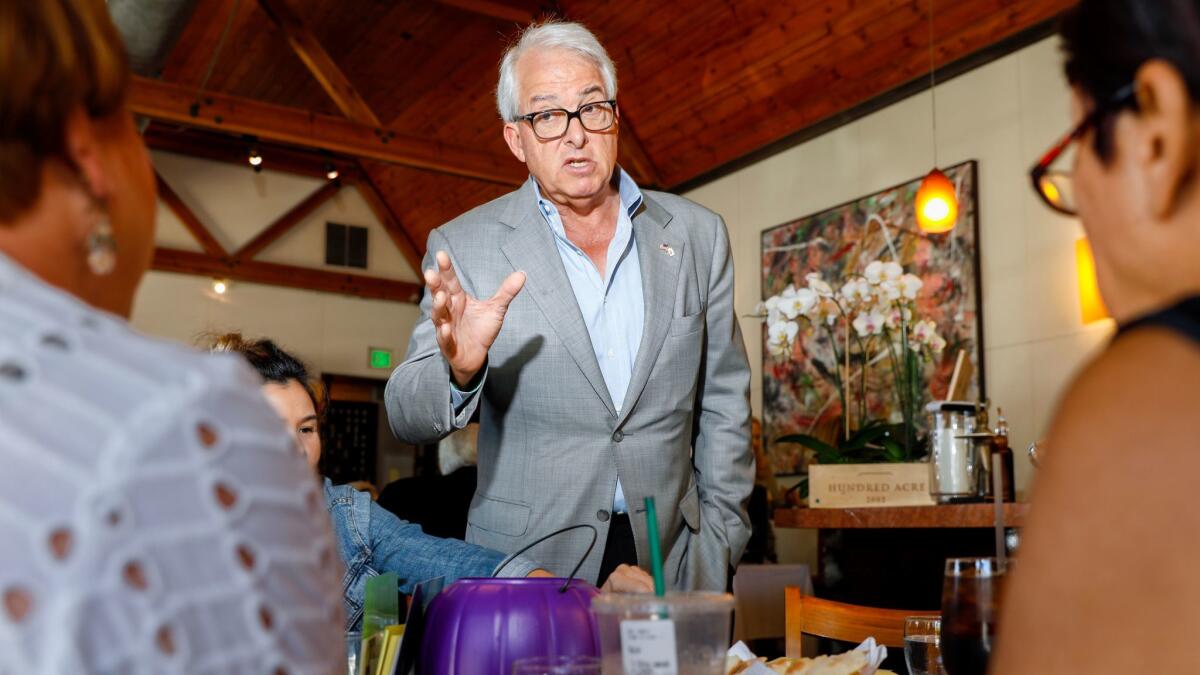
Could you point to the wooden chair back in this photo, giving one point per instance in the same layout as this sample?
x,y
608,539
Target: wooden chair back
x,y
840,621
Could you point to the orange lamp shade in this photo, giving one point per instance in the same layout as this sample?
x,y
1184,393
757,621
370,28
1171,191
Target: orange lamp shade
x,y
937,204
1091,305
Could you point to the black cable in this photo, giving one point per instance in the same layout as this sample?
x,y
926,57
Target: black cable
x,y
595,536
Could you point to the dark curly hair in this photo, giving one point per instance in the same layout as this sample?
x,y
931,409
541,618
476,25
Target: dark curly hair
x,y
273,363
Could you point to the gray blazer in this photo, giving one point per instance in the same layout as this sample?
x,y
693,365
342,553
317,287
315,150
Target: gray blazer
x,y
551,444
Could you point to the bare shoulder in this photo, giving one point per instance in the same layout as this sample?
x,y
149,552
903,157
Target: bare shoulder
x,y
1143,386
1113,531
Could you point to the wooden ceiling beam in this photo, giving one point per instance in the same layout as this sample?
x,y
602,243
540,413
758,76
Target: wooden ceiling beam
x,y
188,217
317,60
412,252
505,10
284,224
231,150
234,115
286,276
190,57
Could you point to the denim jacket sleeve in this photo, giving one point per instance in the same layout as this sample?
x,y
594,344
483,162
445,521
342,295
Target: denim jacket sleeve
x,y
374,541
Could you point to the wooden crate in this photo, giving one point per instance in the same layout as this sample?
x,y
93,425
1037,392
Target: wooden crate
x,y
857,485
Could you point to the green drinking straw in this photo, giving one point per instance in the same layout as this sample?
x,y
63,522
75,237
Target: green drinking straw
x,y
656,562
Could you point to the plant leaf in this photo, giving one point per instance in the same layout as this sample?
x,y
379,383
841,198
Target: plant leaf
x,y
865,436
893,450
812,442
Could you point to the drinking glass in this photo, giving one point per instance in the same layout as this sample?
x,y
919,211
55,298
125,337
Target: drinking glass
x,y
922,649
353,647
557,665
970,610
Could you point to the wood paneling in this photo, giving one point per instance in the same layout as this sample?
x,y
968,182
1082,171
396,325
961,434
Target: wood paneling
x,y
423,201
327,73
703,82
172,103
255,60
505,10
400,236
223,148
703,97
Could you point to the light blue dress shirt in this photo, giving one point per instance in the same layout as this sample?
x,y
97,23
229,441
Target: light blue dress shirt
x,y
611,304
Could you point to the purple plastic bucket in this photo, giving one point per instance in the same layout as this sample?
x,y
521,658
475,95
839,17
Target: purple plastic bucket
x,y
480,626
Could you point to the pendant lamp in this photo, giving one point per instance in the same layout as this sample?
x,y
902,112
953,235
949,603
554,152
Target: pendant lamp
x,y
937,204
937,199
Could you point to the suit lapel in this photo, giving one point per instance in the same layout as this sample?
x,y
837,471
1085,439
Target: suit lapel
x,y
660,256
531,247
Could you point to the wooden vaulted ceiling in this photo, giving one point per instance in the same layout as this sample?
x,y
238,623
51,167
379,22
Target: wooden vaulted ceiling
x,y
702,82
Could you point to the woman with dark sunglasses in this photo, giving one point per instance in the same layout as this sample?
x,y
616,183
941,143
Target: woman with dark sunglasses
x,y
1107,579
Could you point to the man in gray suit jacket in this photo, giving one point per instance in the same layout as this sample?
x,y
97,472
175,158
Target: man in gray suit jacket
x,y
607,365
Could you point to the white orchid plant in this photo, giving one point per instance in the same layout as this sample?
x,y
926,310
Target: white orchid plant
x,y
871,319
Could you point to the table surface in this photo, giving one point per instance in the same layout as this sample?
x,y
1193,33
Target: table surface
x,y
942,515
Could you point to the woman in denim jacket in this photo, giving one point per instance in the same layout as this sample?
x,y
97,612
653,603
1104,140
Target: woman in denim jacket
x,y
370,539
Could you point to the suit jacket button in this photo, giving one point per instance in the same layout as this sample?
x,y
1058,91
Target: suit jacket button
x,y
618,436
602,515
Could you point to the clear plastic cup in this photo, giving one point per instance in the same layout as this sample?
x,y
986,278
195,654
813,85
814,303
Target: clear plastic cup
x,y
683,633
353,649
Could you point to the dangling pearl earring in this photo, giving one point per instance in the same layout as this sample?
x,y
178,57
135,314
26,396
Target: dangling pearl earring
x,y
101,248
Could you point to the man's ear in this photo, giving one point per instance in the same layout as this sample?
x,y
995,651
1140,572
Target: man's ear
x,y
512,136
83,151
1166,148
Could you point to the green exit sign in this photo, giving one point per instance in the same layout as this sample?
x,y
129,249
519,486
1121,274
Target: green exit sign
x,y
380,358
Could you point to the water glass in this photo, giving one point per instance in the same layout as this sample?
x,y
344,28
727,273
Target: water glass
x,y
970,611
922,645
353,647
557,665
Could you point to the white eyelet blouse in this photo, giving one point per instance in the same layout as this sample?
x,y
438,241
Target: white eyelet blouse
x,y
154,515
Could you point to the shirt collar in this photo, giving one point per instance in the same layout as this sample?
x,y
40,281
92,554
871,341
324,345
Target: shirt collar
x,y
627,189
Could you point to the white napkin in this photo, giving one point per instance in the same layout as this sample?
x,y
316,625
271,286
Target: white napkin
x,y
876,653
743,653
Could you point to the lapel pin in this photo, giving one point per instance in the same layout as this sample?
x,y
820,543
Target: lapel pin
x,y
667,249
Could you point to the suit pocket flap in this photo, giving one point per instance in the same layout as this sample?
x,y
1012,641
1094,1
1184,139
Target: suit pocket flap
x,y
499,515
686,325
690,508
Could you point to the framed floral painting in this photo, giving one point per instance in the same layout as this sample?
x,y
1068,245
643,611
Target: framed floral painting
x,y
834,249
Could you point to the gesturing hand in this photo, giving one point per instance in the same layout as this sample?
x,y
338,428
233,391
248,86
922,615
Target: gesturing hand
x,y
466,327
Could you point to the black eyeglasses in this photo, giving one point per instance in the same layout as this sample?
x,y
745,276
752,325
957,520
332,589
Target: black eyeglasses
x,y
1057,187
552,124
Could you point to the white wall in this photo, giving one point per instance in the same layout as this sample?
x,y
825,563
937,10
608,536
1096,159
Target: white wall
x,y
1004,115
331,332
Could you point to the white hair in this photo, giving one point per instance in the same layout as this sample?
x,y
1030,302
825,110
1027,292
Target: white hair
x,y
550,35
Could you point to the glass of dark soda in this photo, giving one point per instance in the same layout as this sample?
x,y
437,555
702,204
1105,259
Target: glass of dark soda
x,y
970,611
